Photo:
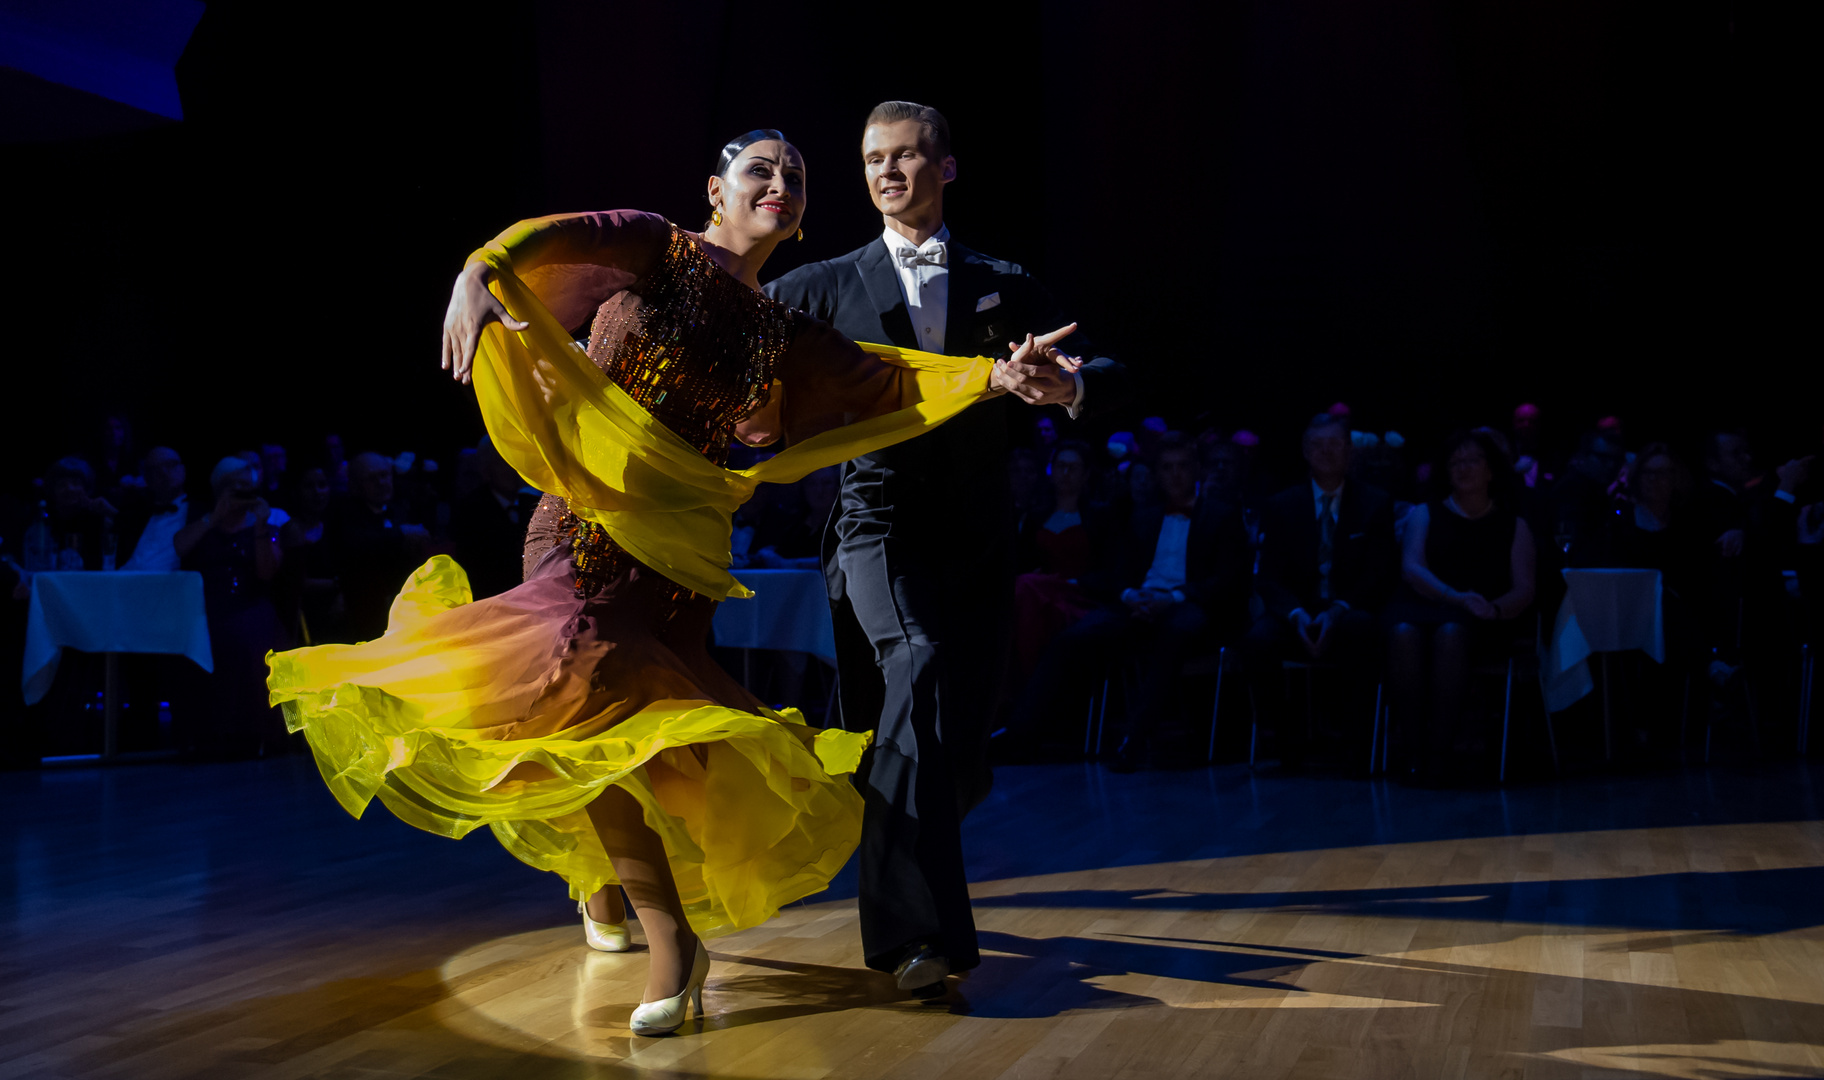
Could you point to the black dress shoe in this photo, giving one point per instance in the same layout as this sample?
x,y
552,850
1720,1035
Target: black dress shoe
x,y
922,972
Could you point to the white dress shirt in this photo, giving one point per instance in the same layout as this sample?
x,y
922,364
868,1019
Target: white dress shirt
x,y
1167,573
924,280
157,548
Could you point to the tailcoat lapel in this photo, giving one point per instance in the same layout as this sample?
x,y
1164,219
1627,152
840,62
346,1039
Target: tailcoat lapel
x,y
881,281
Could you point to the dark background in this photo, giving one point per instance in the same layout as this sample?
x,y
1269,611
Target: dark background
x,y
1430,210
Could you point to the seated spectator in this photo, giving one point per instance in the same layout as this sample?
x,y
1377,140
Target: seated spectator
x,y
379,546
79,518
1225,472
488,525
311,572
1468,572
1026,479
274,470
1058,549
1754,532
1327,565
236,550
1178,582
256,467
1578,507
791,538
154,514
1661,531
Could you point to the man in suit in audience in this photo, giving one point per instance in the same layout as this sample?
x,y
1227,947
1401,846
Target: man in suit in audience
x,y
488,526
378,545
919,555
1328,562
1179,581
151,516
1755,533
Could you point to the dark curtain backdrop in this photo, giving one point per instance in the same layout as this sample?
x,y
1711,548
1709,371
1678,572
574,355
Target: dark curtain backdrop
x,y
1432,210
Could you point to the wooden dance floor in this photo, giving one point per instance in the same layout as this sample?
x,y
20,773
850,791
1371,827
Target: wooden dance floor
x,y
229,921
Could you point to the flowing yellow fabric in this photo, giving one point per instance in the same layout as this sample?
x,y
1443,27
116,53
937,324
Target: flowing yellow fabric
x,y
569,430
751,806
761,819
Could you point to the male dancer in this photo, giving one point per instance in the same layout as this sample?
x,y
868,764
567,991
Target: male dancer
x,y
919,552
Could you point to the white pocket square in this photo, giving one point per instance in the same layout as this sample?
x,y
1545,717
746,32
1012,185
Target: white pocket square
x,y
993,299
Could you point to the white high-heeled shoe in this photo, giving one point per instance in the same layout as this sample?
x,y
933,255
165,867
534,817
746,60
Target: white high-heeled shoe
x,y
604,936
666,1016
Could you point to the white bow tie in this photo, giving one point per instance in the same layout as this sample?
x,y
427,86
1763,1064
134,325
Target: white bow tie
x,y
932,254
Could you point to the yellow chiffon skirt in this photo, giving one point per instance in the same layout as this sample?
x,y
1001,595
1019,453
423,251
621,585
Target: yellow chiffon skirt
x,y
516,711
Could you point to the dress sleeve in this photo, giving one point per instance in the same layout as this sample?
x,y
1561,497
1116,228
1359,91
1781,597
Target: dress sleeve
x,y
574,262
825,381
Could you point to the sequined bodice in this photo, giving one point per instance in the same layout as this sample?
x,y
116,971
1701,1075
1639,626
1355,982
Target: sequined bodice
x,y
691,344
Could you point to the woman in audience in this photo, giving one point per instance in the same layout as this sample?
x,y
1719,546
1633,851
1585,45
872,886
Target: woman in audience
x,y
237,551
1057,550
1468,570
310,560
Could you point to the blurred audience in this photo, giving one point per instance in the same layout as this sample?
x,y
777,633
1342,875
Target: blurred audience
x,y
488,525
1467,574
1059,546
1178,580
1327,565
236,550
378,546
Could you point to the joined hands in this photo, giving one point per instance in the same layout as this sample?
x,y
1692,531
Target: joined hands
x,y
1038,372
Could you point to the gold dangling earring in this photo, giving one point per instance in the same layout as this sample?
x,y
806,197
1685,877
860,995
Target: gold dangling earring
x,y
716,218
801,236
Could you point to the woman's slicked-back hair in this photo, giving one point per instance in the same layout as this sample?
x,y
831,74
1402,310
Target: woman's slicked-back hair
x,y
938,128
741,142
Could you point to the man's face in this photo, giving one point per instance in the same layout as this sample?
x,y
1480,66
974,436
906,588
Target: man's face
x,y
1733,462
376,485
905,178
164,472
1068,470
1327,451
1177,476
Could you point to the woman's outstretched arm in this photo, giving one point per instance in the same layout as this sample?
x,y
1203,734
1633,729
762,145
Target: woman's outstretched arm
x,y
571,262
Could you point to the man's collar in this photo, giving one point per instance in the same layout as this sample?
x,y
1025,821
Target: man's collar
x,y
899,242
1318,492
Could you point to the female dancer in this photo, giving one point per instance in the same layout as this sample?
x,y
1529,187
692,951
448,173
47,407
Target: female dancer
x,y
578,715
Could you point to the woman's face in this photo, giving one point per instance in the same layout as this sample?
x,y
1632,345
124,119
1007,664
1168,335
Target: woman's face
x,y
1655,476
1067,471
761,196
1469,469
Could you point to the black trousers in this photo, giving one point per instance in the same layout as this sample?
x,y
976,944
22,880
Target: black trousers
x,y
920,652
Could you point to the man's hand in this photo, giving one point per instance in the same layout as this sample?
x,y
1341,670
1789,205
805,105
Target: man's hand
x,y
1149,604
1794,473
1730,543
1038,372
1303,625
1320,632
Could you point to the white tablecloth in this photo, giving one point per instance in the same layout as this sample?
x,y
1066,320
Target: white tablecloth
x,y
790,609
1603,611
113,612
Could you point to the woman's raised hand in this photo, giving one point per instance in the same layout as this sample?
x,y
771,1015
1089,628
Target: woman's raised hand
x,y
472,307
1038,372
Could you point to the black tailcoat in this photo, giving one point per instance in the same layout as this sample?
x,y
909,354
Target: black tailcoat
x,y
919,558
